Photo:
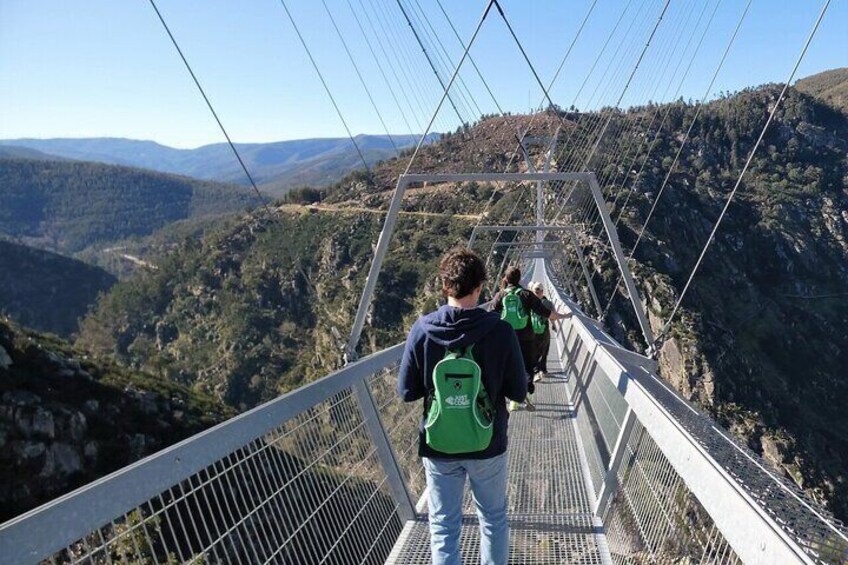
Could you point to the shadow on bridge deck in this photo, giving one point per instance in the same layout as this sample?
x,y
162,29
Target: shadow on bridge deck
x,y
549,506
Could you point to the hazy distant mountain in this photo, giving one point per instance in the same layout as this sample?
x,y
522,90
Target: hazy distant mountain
x,y
16,152
279,165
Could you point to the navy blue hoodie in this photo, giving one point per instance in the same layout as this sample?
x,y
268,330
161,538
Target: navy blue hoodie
x,y
496,350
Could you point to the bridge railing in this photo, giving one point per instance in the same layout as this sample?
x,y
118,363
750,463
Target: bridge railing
x,y
311,477
669,483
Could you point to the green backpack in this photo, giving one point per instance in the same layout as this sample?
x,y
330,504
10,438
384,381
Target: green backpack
x,y
460,415
513,309
539,323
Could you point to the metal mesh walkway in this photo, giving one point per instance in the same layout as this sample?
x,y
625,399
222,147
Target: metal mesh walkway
x,y
549,508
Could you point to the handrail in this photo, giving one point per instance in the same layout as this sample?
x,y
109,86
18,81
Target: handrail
x,y
691,441
39,533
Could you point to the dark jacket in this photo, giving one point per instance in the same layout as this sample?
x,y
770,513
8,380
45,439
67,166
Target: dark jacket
x,y
550,306
495,350
531,303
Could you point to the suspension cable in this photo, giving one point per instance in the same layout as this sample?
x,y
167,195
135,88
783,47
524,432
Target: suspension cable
x,y
624,91
380,68
359,75
692,125
683,143
665,117
430,62
470,59
533,117
209,105
608,180
457,77
406,59
324,83
453,77
776,105
529,63
441,53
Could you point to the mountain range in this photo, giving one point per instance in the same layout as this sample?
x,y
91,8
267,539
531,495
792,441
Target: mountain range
x,y
278,166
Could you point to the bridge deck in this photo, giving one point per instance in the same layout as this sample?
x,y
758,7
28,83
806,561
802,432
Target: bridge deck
x,y
550,513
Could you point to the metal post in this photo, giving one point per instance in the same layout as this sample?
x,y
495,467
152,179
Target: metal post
x,y
585,269
610,483
540,190
350,353
612,234
503,264
388,458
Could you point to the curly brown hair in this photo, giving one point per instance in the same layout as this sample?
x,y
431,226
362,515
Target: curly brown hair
x,y
461,271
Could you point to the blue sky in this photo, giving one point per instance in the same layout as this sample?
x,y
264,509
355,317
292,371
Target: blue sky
x,y
106,67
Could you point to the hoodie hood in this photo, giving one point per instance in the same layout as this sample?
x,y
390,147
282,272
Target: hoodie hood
x,y
453,327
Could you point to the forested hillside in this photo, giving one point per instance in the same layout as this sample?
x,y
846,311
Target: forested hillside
x,y
762,341
15,152
263,307
66,206
46,291
830,87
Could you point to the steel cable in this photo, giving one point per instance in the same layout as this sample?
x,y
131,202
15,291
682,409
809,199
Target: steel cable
x,y
324,83
772,113
211,108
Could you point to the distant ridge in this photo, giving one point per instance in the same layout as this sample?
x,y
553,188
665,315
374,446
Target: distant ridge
x,y
830,87
278,165
15,152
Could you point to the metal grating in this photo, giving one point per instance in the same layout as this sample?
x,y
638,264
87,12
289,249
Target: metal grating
x,y
549,509
654,517
400,421
538,539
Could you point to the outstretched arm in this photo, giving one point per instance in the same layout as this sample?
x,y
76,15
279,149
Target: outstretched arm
x,y
410,385
557,316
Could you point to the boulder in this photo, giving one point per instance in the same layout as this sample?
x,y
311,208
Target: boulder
x,y
62,460
5,360
43,423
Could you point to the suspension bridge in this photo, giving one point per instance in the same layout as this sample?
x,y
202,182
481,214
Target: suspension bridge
x,y
614,466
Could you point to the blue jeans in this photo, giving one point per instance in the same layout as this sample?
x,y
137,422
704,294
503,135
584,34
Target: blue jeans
x,y
446,486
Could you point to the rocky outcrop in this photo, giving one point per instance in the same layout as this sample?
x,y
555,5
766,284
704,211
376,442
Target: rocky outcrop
x,y
65,420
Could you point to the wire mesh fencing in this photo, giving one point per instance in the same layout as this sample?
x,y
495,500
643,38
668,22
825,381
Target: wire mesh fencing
x,y
401,422
654,517
309,489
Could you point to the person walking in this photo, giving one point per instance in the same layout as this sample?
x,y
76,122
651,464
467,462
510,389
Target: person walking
x,y
515,304
465,363
542,330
